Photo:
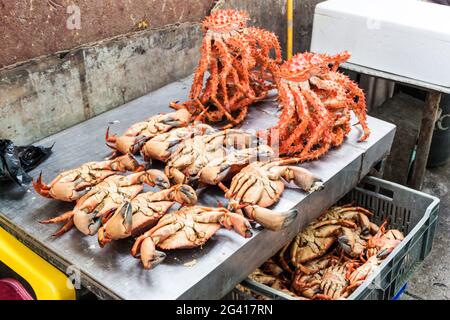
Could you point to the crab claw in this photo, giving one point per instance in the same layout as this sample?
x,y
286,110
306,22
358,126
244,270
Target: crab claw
x,y
157,178
346,239
126,162
270,219
109,138
184,195
214,174
118,226
303,178
41,187
150,257
87,223
179,118
127,144
239,223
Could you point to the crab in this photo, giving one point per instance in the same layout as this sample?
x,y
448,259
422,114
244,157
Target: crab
x,y
357,276
224,168
260,185
73,184
307,278
334,284
316,101
384,242
237,59
143,212
349,226
134,137
188,227
357,214
196,153
310,244
96,206
163,145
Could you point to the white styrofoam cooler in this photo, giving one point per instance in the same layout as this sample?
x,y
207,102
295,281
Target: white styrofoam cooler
x,y
403,37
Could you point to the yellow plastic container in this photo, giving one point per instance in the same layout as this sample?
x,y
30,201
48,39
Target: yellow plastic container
x,y
48,282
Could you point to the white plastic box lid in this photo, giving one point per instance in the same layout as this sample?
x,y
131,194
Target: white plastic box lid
x,y
409,38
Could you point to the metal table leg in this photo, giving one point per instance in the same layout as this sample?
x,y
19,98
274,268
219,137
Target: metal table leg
x,y
426,133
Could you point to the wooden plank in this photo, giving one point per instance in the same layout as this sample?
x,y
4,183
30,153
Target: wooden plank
x,y
429,118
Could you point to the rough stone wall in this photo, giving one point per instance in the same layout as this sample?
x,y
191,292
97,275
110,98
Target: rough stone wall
x,y
31,28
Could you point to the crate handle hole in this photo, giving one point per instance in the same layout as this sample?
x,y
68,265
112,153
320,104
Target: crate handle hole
x,y
386,192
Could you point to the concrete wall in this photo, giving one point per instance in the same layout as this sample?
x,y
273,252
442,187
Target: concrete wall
x,y
31,28
46,95
49,93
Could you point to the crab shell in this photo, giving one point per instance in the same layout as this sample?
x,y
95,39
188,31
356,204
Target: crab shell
x,y
134,137
163,145
90,209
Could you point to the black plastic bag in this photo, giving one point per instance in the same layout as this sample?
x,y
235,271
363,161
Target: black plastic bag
x,y
15,161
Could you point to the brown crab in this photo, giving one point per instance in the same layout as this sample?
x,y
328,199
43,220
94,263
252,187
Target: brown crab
x,y
163,145
334,284
384,242
188,227
196,153
143,212
359,215
260,185
357,276
133,138
95,207
73,184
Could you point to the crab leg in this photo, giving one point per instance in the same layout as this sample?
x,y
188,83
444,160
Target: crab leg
x,y
227,219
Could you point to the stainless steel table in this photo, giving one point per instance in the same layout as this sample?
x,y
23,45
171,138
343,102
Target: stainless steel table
x,y
203,273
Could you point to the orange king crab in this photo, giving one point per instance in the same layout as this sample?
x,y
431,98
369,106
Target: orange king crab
x,y
316,101
237,59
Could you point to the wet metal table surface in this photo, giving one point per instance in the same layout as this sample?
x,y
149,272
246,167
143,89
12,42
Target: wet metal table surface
x,y
203,273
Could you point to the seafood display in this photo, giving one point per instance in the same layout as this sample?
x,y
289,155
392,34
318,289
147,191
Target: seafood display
x,y
134,137
237,59
238,66
73,184
331,257
188,227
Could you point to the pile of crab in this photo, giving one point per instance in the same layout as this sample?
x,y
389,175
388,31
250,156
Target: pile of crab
x,y
241,64
331,257
113,200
